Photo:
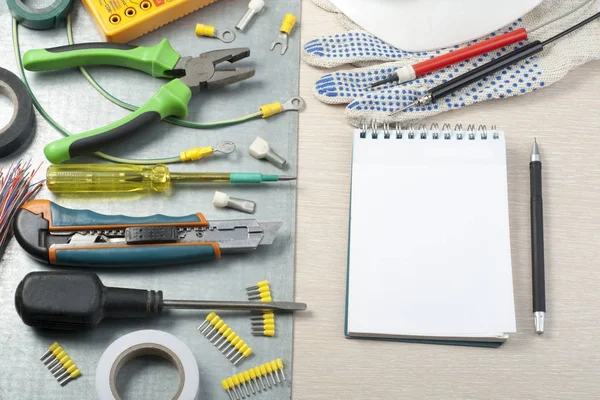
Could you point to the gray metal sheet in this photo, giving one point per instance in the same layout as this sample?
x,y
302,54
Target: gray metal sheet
x,y
72,102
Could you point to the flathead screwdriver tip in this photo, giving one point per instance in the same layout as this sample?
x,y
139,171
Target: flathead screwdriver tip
x,y
286,178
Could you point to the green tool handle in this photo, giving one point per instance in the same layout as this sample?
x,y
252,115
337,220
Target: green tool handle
x,y
158,60
171,100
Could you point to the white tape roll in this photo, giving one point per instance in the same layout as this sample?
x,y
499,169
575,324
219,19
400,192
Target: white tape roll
x,y
147,342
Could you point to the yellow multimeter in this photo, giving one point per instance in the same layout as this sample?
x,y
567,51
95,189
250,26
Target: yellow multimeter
x,y
121,21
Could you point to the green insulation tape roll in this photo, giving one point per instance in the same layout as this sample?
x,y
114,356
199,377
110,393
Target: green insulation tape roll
x,y
44,18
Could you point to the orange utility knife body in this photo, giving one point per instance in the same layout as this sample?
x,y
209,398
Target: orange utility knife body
x,y
61,236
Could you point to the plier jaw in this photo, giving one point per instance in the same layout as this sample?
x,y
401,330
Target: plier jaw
x,y
201,72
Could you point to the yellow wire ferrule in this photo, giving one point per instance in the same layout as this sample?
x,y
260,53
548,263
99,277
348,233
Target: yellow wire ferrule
x,y
288,23
196,153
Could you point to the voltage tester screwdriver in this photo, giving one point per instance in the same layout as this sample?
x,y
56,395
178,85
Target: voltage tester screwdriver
x,y
79,300
478,73
112,178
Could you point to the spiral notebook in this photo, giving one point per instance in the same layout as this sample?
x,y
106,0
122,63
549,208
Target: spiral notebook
x,y
429,247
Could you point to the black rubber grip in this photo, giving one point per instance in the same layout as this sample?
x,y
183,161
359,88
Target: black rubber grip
x,y
90,46
537,237
484,70
79,300
97,142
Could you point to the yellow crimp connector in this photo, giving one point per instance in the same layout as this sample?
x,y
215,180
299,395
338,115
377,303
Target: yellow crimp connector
x,y
195,153
268,110
288,23
205,30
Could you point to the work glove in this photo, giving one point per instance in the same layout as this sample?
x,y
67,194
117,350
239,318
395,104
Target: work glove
x,y
358,47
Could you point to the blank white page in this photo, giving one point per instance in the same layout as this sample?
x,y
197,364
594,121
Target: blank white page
x,y
429,250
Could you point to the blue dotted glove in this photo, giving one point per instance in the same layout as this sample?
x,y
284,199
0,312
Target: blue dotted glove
x,y
359,47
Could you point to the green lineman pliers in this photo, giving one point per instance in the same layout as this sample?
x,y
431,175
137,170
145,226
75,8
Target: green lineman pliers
x,y
161,61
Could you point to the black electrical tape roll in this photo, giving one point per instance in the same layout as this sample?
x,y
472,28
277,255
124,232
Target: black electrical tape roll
x,y
21,125
44,18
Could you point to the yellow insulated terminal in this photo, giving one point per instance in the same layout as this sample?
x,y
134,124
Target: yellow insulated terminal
x,y
289,21
235,349
225,36
261,324
248,379
266,299
57,359
263,372
270,372
260,296
63,368
209,317
265,316
259,375
244,352
226,387
75,374
254,378
281,365
217,326
224,336
258,285
52,356
212,323
228,339
60,364
231,384
266,332
268,110
243,384
284,33
275,367
237,383
205,30
195,153
236,340
52,347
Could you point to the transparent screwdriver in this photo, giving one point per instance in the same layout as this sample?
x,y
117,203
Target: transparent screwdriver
x,y
111,178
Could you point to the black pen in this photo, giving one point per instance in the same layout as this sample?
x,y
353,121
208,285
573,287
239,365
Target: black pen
x,y
537,240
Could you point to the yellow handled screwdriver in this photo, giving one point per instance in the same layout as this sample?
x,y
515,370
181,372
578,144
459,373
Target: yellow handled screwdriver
x,y
105,178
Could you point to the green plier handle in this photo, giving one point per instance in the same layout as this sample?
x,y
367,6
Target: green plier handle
x,y
159,60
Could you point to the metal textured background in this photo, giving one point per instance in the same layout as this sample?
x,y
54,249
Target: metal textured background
x,y
68,98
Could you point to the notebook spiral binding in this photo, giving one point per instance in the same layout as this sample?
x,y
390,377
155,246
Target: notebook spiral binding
x,y
370,128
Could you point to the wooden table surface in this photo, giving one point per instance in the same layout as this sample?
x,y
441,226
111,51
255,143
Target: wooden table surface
x,y
564,363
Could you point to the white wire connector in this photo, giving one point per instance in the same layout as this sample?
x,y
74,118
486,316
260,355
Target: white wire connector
x,y
254,8
222,200
260,149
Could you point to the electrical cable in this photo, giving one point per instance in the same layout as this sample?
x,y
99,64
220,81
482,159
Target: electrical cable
x,y
564,15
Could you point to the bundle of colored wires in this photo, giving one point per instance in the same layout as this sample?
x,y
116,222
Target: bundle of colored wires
x,y
16,188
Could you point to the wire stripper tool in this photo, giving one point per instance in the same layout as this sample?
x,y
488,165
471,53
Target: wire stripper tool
x,y
161,61
82,238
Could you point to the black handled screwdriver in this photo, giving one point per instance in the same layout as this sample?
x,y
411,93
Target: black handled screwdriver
x,y
468,78
79,300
